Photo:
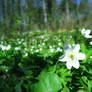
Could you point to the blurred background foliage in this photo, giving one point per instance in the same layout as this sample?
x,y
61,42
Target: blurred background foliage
x,y
21,15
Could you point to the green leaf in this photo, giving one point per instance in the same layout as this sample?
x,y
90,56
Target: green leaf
x,y
81,90
89,53
18,87
49,82
4,68
83,48
89,89
83,81
65,89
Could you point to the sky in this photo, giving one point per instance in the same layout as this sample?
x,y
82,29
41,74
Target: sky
x,y
76,1
58,1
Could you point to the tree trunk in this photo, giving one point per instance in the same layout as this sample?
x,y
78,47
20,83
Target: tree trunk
x,y
12,15
49,6
67,11
4,11
45,11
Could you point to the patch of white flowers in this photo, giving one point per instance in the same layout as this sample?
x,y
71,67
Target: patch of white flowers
x,y
51,50
37,50
72,56
40,49
26,54
17,48
5,47
59,44
59,49
86,33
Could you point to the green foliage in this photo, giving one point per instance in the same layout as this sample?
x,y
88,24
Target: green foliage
x,y
29,63
48,82
65,89
18,87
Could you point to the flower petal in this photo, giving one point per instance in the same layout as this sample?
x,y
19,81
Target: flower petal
x,y
75,64
88,31
67,46
91,43
83,31
68,65
63,58
76,48
88,36
81,56
90,57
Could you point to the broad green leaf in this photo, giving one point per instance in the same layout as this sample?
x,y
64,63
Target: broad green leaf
x,y
83,48
49,82
65,89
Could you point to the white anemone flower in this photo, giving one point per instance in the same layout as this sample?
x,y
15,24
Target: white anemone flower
x,y
24,43
37,50
8,47
3,47
22,40
43,44
52,50
0,46
25,49
59,49
72,56
86,33
19,42
50,47
40,49
90,57
59,44
17,48
91,43
26,54
31,49
39,45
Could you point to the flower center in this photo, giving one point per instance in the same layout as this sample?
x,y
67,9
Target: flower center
x,y
71,56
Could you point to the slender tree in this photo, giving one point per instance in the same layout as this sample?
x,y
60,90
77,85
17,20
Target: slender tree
x,y
67,10
44,11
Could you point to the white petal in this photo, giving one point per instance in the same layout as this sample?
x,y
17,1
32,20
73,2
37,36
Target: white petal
x,y
88,36
51,50
88,31
63,58
83,31
76,48
67,46
81,56
90,57
91,43
75,64
69,65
